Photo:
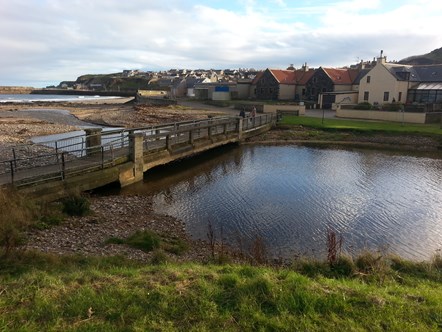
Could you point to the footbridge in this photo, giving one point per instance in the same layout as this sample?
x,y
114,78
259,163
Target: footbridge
x,y
52,170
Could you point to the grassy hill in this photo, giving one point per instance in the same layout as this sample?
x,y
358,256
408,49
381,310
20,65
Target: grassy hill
x,y
109,294
434,57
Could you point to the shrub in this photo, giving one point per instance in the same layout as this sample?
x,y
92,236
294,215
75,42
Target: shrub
x,y
344,266
375,265
159,257
16,215
144,240
176,246
363,106
76,205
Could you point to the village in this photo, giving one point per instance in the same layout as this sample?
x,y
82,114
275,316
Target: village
x,y
376,89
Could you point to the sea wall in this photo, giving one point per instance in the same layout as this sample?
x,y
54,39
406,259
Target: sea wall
x,y
83,92
14,90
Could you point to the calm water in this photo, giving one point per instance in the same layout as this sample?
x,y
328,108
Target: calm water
x,y
291,195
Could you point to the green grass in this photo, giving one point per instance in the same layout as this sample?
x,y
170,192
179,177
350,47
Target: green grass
x,y
149,241
363,126
46,293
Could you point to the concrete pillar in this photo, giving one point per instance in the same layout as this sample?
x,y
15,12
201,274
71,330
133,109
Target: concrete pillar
x,y
240,122
93,140
136,155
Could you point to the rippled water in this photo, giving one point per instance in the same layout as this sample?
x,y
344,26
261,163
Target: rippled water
x,y
292,195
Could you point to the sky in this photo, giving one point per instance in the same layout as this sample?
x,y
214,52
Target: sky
x,y
43,42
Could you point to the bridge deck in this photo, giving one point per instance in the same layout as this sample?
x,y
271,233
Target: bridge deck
x,y
98,150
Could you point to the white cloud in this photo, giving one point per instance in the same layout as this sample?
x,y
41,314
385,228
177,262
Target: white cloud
x,y
54,40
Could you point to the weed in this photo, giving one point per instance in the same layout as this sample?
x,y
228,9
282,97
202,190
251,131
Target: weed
x,y
159,257
375,266
16,215
334,247
212,239
436,261
76,205
175,246
258,250
144,240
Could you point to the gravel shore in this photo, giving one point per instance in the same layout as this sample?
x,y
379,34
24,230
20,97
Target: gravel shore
x,y
113,216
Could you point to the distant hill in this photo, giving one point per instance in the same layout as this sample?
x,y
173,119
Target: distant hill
x,y
432,58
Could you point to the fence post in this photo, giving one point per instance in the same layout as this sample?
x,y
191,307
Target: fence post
x,y
190,136
14,157
12,171
102,157
240,125
63,166
168,143
56,150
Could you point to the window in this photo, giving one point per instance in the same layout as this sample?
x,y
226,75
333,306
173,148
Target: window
x,y
386,96
399,96
368,79
270,90
303,92
324,90
366,93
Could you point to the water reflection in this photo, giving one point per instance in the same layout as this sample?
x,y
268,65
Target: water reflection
x,y
292,195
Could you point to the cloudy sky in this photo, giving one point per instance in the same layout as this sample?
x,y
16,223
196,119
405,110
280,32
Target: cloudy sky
x,y
43,42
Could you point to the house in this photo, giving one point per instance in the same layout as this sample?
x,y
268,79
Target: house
x,y
386,83
389,85
426,85
330,85
274,84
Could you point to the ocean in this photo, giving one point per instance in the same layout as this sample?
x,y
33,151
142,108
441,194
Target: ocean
x,y
29,98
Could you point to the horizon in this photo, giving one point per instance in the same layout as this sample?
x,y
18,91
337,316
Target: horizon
x,y
44,43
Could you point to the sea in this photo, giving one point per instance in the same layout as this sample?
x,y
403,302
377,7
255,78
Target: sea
x,y
30,98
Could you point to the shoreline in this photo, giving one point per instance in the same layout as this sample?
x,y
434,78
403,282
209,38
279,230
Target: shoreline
x,y
116,216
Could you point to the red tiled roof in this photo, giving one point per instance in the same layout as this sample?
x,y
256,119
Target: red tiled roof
x,y
303,76
339,76
284,76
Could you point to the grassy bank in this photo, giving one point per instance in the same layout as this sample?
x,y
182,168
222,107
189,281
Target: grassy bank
x,y
48,293
363,126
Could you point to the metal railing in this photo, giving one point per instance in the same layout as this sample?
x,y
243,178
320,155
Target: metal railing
x,y
33,163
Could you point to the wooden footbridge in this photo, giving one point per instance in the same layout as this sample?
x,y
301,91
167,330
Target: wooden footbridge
x,y
52,170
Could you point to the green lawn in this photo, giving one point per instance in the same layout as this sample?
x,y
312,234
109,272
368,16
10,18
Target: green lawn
x,y
364,126
79,294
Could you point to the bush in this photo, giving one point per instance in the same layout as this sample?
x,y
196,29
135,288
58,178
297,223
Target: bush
x,y
363,106
76,206
344,266
144,240
16,215
159,257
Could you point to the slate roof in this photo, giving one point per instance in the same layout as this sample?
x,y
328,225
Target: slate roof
x,y
429,73
360,75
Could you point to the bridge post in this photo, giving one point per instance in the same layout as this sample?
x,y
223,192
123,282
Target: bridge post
x,y
93,140
136,155
240,124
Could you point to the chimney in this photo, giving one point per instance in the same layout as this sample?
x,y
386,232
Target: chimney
x,y
305,67
382,59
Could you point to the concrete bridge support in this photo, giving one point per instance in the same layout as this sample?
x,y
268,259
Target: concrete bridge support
x,y
93,140
133,171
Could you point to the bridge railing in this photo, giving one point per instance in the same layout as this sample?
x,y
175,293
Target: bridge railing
x,y
33,163
61,160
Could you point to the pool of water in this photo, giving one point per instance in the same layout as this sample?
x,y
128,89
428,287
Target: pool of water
x,y
291,196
